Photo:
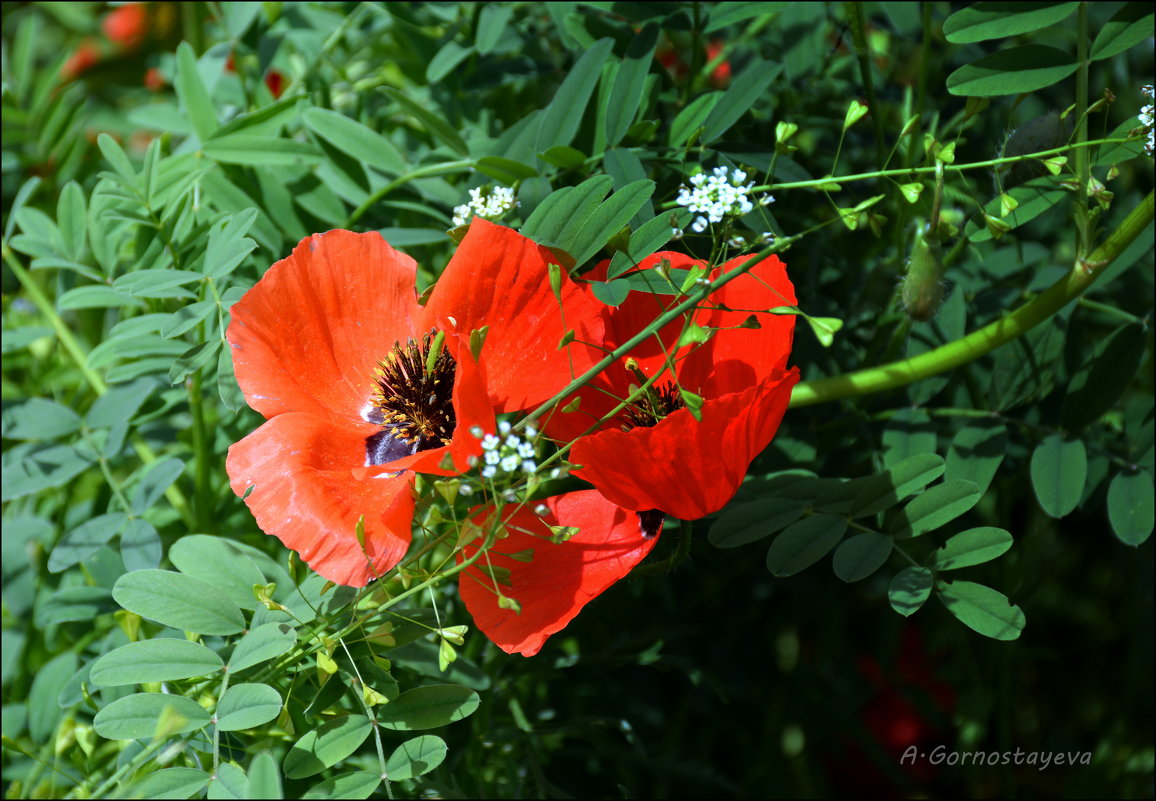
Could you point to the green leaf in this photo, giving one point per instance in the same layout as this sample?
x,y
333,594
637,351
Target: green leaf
x,y
157,283
692,119
416,757
360,784
449,56
164,659
326,745
983,609
561,118
491,22
434,124
170,782
1058,471
1034,198
860,556
32,468
561,216
39,418
1128,27
22,195
260,644
909,589
982,21
154,483
1016,70
934,508
626,92
249,149
229,246
612,293
230,783
908,433
115,156
43,710
193,95
895,483
83,541
1025,367
723,15
355,139
195,358
648,238
1130,506
504,170
177,600
246,706
137,717
94,297
265,777
187,317
606,220
742,523
972,547
72,217
222,564
737,100
227,387
977,452
428,707
140,545
804,543
1103,378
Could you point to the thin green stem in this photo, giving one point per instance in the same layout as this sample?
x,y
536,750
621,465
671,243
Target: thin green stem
x,y
445,168
988,338
1083,164
202,456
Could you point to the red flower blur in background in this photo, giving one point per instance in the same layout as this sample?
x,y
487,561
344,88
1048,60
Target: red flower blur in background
x,y
274,80
332,347
669,56
83,58
550,581
654,454
126,25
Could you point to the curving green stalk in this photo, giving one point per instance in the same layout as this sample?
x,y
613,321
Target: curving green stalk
x,y
946,357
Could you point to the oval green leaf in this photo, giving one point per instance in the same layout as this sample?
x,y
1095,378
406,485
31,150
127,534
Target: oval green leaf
x,y
164,659
137,717
805,543
177,600
896,483
972,547
1058,471
169,783
938,506
416,757
218,562
245,706
976,453
1014,71
428,707
861,555
1129,26
348,785
983,609
742,523
326,745
982,21
1130,506
260,644
909,589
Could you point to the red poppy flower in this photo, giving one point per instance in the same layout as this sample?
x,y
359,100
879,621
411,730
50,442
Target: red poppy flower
x,y
126,25
655,454
333,348
551,581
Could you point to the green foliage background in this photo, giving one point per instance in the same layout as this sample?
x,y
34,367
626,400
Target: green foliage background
x,y
134,217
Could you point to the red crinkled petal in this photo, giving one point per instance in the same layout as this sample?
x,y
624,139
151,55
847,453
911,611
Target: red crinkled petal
x,y
562,578
735,358
499,278
685,467
307,337
310,487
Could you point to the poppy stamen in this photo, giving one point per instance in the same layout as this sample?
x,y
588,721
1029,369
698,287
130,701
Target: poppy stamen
x,y
412,400
652,406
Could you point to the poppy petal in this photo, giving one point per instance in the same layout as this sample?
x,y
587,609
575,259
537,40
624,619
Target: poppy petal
x,y
499,278
561,578
737,357
686,467
309,487
307,337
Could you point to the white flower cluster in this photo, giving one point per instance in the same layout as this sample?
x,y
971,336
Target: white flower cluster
x,y
508,452
491,205
1145,117
742,242
717,196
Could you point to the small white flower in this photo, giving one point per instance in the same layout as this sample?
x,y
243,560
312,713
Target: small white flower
x,y
503,428
699,225
489,471
528,466
510,463
716,196
490,442
492,457
1146,117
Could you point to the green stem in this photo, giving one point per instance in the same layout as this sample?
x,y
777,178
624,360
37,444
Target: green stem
x,y
1083,166
445,168
988,338
863,54
202,473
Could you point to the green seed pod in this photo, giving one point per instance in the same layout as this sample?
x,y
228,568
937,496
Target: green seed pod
x,y
923,285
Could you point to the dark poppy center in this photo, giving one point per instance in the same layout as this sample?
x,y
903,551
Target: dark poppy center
x,y
652,406
412,400
650,522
